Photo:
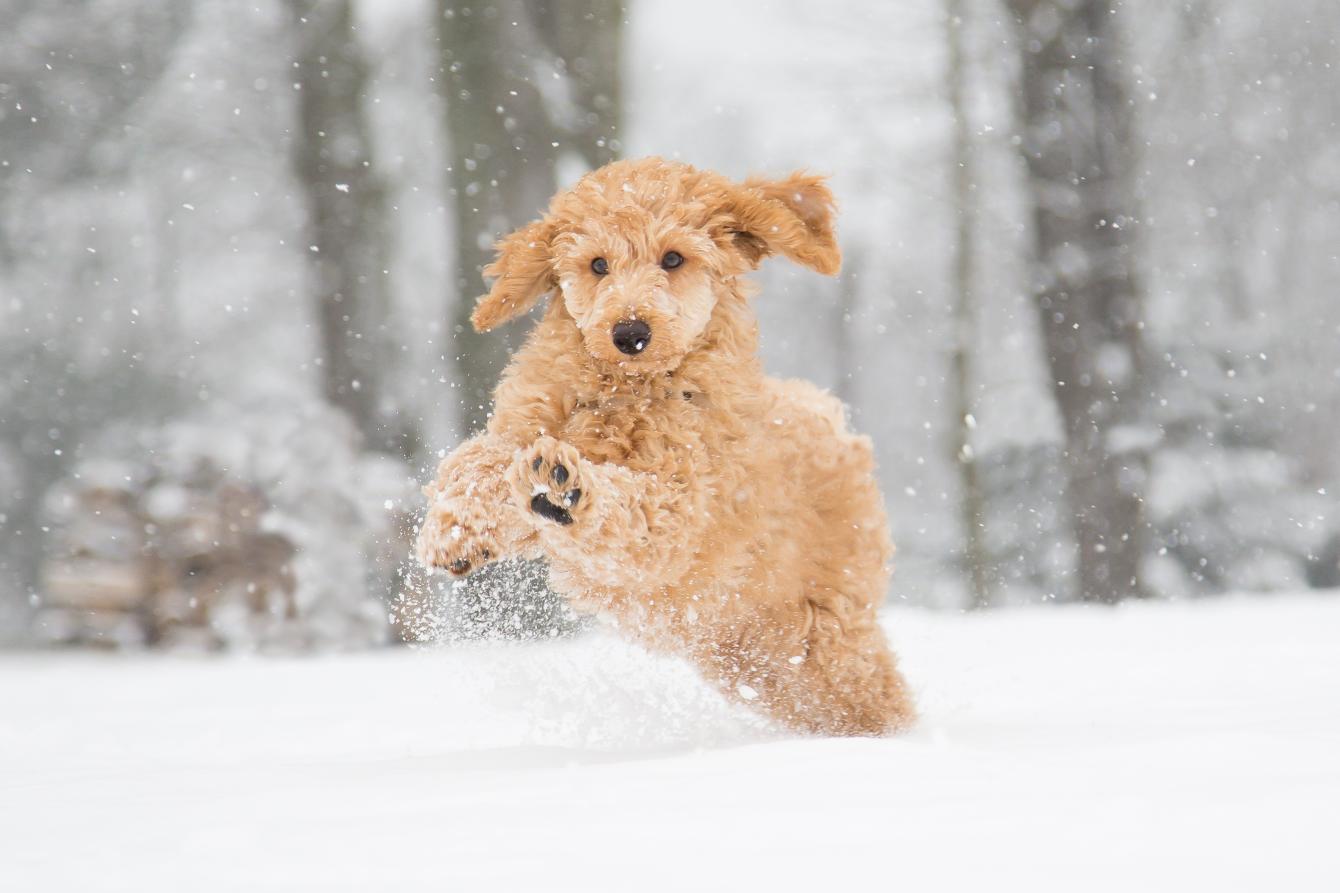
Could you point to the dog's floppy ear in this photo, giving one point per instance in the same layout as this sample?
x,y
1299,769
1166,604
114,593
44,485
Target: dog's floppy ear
x,y
791,216
522,274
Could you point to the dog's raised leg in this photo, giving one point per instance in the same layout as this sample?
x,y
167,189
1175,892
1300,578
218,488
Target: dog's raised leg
x,y
601,522
471,519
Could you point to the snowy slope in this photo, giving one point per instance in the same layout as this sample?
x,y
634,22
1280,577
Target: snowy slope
x,y
1177,747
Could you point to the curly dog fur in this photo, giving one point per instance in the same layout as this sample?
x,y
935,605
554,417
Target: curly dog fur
x,y
707,509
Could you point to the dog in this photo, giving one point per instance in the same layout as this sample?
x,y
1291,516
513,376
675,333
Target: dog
x,y
636,444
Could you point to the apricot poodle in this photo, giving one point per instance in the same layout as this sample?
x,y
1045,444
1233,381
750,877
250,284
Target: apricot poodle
x,y
636,444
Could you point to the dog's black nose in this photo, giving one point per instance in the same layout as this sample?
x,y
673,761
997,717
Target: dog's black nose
x,y
631,337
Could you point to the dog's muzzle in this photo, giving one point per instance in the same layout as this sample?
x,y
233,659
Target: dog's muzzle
x,y
631,337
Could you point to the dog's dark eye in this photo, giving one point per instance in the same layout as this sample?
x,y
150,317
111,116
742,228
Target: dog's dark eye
x,y
671,260
600,266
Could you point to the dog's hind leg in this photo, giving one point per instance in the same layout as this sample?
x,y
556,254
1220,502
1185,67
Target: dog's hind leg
x,y
813,669
848,682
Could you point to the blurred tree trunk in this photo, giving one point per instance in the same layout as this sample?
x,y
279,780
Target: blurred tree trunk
x,y
845,314
508,119
1077,133
346,222
971,499
586,37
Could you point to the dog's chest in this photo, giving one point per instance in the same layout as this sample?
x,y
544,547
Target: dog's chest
x,y
635,429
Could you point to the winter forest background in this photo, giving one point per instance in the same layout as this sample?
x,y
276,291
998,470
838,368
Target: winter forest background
x,y
1088,309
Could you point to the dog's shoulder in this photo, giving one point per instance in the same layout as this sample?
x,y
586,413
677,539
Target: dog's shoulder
x,y
797,398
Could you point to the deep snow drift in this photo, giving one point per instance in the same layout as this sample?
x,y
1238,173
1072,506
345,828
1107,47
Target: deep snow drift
x,y
1165,746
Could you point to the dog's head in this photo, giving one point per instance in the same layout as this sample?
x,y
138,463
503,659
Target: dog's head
x,y
641,252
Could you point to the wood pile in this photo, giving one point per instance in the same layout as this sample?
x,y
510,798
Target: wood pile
x,y
138,557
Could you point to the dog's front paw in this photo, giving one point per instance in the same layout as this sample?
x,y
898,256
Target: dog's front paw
x,y
456,536
548,477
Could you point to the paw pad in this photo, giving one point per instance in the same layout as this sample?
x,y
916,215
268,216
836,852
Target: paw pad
x,y
549,475
540,505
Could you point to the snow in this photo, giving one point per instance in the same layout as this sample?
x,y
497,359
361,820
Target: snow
x,y
1172,746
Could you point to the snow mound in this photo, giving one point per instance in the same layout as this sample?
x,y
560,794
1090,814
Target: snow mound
x,y
1155,746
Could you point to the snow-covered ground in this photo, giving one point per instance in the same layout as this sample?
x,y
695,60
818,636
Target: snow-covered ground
x,y
1162,746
